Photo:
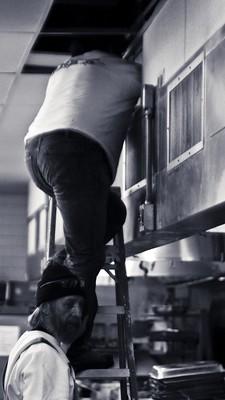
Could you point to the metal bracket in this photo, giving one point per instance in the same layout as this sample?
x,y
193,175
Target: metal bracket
x,y
146,217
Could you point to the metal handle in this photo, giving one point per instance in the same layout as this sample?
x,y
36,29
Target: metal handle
x,y
148,105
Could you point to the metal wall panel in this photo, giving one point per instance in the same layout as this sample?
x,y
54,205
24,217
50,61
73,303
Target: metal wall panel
x,y
215,90
135,152
180,191
163,42
191,196
180,29
196,185
203,18
184,119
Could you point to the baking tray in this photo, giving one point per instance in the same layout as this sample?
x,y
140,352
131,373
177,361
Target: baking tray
x,y
184,369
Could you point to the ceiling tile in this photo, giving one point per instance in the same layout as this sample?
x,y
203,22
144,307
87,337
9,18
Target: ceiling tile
x,y
6,81
13,49
23,15
28,89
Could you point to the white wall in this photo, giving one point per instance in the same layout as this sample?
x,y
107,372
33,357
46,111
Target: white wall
x,y
13,236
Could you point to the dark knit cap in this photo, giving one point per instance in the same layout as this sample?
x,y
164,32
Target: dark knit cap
x,y
57,281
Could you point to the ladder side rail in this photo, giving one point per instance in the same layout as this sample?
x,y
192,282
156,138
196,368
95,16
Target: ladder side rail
x,y
52,209
122,351
123,356
120,318
124,297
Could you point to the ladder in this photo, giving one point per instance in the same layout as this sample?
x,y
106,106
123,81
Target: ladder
x,y
115,267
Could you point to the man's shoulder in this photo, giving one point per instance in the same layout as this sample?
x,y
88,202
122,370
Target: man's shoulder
x,y
40,351
36,339
40,354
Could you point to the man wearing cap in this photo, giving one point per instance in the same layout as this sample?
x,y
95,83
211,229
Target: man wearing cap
x,y
38,367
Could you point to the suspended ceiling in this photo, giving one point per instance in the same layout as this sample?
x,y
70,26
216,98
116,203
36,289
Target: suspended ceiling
x,y
20,23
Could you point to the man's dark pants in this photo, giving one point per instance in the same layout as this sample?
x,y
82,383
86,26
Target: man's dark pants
x,y
75,170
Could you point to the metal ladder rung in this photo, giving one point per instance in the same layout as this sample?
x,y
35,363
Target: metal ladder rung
x,y
107,310
112,373
108,267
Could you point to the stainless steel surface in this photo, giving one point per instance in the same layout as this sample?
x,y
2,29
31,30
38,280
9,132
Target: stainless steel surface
x,y
190,198
183,369
195,144
199,181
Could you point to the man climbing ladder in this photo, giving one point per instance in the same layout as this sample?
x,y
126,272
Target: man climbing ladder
x,y
72,152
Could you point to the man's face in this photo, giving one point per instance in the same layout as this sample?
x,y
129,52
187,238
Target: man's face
x,y
67,317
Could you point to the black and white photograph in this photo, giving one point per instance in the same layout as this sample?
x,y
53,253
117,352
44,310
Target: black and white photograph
x,y
112,199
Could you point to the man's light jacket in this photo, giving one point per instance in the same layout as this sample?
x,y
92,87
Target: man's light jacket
x,y
38,369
